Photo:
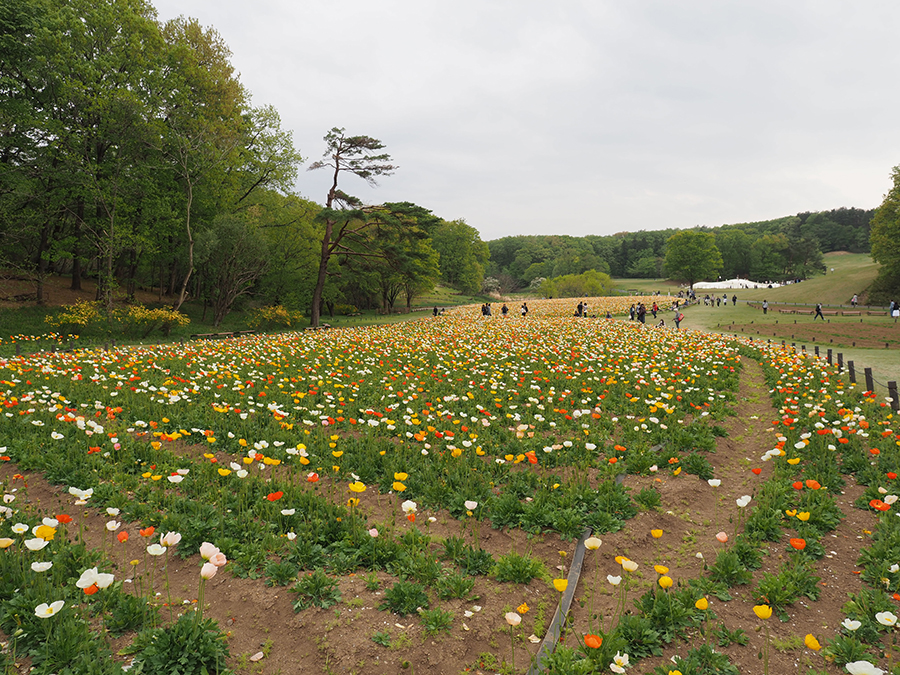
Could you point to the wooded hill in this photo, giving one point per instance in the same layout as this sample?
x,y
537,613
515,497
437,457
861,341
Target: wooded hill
x,y
778,249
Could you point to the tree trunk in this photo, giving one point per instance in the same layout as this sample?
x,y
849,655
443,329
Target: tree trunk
x,y
315,311
76,247
183,293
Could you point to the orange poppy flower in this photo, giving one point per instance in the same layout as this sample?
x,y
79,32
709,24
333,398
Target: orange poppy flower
x,y
798,543
275,496
813,484
593,641
147,531
64,518
122,536
879,505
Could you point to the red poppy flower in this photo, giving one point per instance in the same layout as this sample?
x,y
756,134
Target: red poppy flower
x,y
147,531
813,484
5,458
613,460
122,536
891,475
411,517
275,496
798,543
879,505
593,641
798,485
63,518
312,478
756,471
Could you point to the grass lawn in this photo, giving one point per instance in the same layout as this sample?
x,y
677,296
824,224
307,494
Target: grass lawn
x,y
853,273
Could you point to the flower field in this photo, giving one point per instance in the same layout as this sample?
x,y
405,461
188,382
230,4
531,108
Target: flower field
x,y
410,497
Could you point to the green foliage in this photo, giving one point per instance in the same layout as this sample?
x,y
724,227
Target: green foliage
x,y
725,637
382,638
518,569
404,598
796,579
455,586
846,649
187,647
729,569
436,620
648,498
280,573
81,317
587,284
640,636
703,660
127,613
316,589
275,316
692,256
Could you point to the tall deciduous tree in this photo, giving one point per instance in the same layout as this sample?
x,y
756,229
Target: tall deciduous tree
x,y
885,237
692,256
463,255
344,218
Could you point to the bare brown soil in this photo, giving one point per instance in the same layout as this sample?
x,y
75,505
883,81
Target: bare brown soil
x,y
18,292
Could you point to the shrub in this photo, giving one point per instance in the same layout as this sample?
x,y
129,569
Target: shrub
x,y
141,321
275,316
77,318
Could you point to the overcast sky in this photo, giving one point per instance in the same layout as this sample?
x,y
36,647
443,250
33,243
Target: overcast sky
x,y
591,117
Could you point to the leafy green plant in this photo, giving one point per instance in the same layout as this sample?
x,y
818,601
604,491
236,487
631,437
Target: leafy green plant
x,y
126,613
316,589
455,586
648,498
436,620
372,582
518,569
404,598
725,637
846,649
729,569
189,646
382,638
476,562
702,660
796,578
280,573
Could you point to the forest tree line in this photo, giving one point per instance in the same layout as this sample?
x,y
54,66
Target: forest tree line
x,y
773,250
131,154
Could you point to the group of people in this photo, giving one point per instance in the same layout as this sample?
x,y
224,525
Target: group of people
x,y
504,310
639,312
716,300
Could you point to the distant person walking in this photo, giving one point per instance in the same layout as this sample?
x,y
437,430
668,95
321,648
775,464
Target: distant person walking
x,y
733,300
765,306
854,300
524,309
819,312
679,317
